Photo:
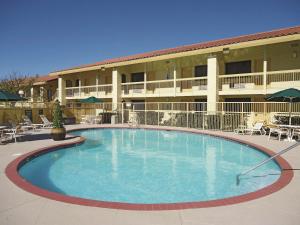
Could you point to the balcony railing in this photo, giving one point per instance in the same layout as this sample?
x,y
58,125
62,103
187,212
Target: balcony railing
x,y
248,83
275,78
101,91
192,85
241,81
256,81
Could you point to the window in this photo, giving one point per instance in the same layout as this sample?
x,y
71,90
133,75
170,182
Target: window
x,y
201,71
201,104
123,78
49,94
138,104
69,83
137,77
238,67
77,83
28,113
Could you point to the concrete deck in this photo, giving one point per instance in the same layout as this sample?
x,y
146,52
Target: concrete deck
x,y
20,207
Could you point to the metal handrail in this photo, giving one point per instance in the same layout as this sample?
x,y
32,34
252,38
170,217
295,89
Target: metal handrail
x,y
238,177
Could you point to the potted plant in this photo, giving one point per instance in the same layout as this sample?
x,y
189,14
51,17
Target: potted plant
x,y
58,132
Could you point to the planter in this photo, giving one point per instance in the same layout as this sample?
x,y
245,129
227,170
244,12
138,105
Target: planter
x,y
58,134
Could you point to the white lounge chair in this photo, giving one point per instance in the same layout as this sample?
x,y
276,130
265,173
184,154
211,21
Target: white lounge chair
x,y
296,133
4,136
28,123
46,122
279,132
133,119
257,128
14,132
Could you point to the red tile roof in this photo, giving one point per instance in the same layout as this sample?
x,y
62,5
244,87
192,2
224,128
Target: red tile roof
x,y
202,45
45,78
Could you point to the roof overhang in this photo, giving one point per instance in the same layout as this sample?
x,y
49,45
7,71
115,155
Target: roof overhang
x,y
246,44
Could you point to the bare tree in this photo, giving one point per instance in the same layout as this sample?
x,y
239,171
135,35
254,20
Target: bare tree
x,y
14,82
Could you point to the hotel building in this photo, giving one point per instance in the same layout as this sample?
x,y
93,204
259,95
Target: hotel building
x,y
238,69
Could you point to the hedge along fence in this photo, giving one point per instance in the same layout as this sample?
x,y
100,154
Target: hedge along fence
x,y
16,114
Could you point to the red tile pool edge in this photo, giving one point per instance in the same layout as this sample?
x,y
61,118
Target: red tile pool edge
x,y
12,173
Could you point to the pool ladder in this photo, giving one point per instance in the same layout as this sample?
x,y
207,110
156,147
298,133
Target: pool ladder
x,y
238,177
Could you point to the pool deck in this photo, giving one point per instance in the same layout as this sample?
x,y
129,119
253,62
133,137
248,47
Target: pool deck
x,y
20,207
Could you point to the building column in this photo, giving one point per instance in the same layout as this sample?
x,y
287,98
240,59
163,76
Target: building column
x,y
116,89
265,75
97,83
212,83
42,90
62,91
145,83
32,94
79,89
174,79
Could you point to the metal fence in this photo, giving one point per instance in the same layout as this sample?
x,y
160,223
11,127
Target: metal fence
x,y
229,115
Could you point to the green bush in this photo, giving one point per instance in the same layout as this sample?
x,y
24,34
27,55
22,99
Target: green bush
x,y
57,116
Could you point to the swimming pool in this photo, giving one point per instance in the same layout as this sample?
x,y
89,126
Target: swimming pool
x,y
141,166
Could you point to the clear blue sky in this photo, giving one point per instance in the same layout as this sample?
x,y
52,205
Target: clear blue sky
x,y
37,37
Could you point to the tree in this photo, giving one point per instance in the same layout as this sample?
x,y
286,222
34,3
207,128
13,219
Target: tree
x,y
57,116
14,82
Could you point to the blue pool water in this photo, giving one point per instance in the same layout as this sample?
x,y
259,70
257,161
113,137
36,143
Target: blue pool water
x,y
149,166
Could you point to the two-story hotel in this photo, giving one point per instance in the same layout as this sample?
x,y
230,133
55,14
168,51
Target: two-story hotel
x,y
238,69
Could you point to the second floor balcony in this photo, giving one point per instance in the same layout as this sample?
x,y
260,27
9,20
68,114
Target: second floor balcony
x,y
229,84
164,88
258,83
100,91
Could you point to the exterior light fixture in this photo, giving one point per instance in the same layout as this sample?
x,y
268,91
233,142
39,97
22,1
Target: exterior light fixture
x,y
21,93
102,68
295,54
128,104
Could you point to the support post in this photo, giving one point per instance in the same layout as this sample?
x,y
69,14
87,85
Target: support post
x,y
145,83
79,85
212,84
265,75
174,80
62,91
116,89
32,94
187,114
97,84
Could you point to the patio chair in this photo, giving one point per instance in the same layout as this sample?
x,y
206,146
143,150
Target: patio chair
x,y
97,119
279,132
296,133
46,122
15,132
168,118
28,123
86,119
4,137
133,119
242,129
257,128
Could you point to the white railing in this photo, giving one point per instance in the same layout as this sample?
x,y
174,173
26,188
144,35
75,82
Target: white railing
x,y
228,116
164,87
193,84
160,88
241,81
283,76
86,91
133,88
255,81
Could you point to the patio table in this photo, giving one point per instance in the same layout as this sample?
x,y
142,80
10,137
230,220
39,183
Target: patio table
x,y
290,128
